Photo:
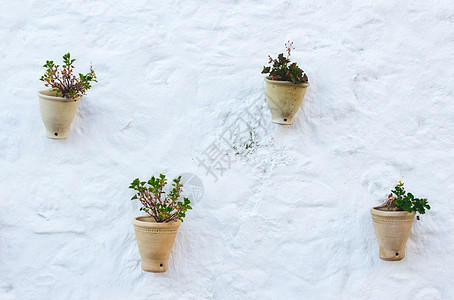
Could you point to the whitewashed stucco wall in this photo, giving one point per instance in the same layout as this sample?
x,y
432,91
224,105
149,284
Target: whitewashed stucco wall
x,y
289,218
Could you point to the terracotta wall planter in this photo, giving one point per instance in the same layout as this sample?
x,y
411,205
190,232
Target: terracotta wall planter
x,y
57,113
155,241
284,99
392,229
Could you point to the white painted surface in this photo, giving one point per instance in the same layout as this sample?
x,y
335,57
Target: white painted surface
x,y
290,218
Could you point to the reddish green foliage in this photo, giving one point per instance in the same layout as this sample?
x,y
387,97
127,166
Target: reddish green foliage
x,y
282,71
162,206
64,82
400,200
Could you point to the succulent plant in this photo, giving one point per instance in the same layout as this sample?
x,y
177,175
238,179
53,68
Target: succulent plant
x,y
281,70
64,82
162,206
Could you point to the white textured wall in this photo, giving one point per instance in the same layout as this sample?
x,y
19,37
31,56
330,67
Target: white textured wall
x,y
290,218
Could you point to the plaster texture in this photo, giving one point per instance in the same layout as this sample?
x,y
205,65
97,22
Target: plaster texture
x,y
285,209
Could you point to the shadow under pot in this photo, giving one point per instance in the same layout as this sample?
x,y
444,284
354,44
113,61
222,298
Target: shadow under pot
x,y
57,113
155,242
284,99
392,229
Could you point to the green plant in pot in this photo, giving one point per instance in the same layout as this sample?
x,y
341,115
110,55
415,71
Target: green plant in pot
x,y
156,232
393,221
285,87
58,104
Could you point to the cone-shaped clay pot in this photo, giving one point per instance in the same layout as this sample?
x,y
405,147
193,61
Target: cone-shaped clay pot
x,y
284,99
392,229
57,113
155,241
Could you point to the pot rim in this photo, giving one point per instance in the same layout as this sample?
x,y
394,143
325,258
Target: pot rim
x,y
151,223
278,82
45,95
377,212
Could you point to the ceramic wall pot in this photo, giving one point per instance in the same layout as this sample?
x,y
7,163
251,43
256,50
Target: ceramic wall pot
x,y
284,99
57,113
392,229
155,241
